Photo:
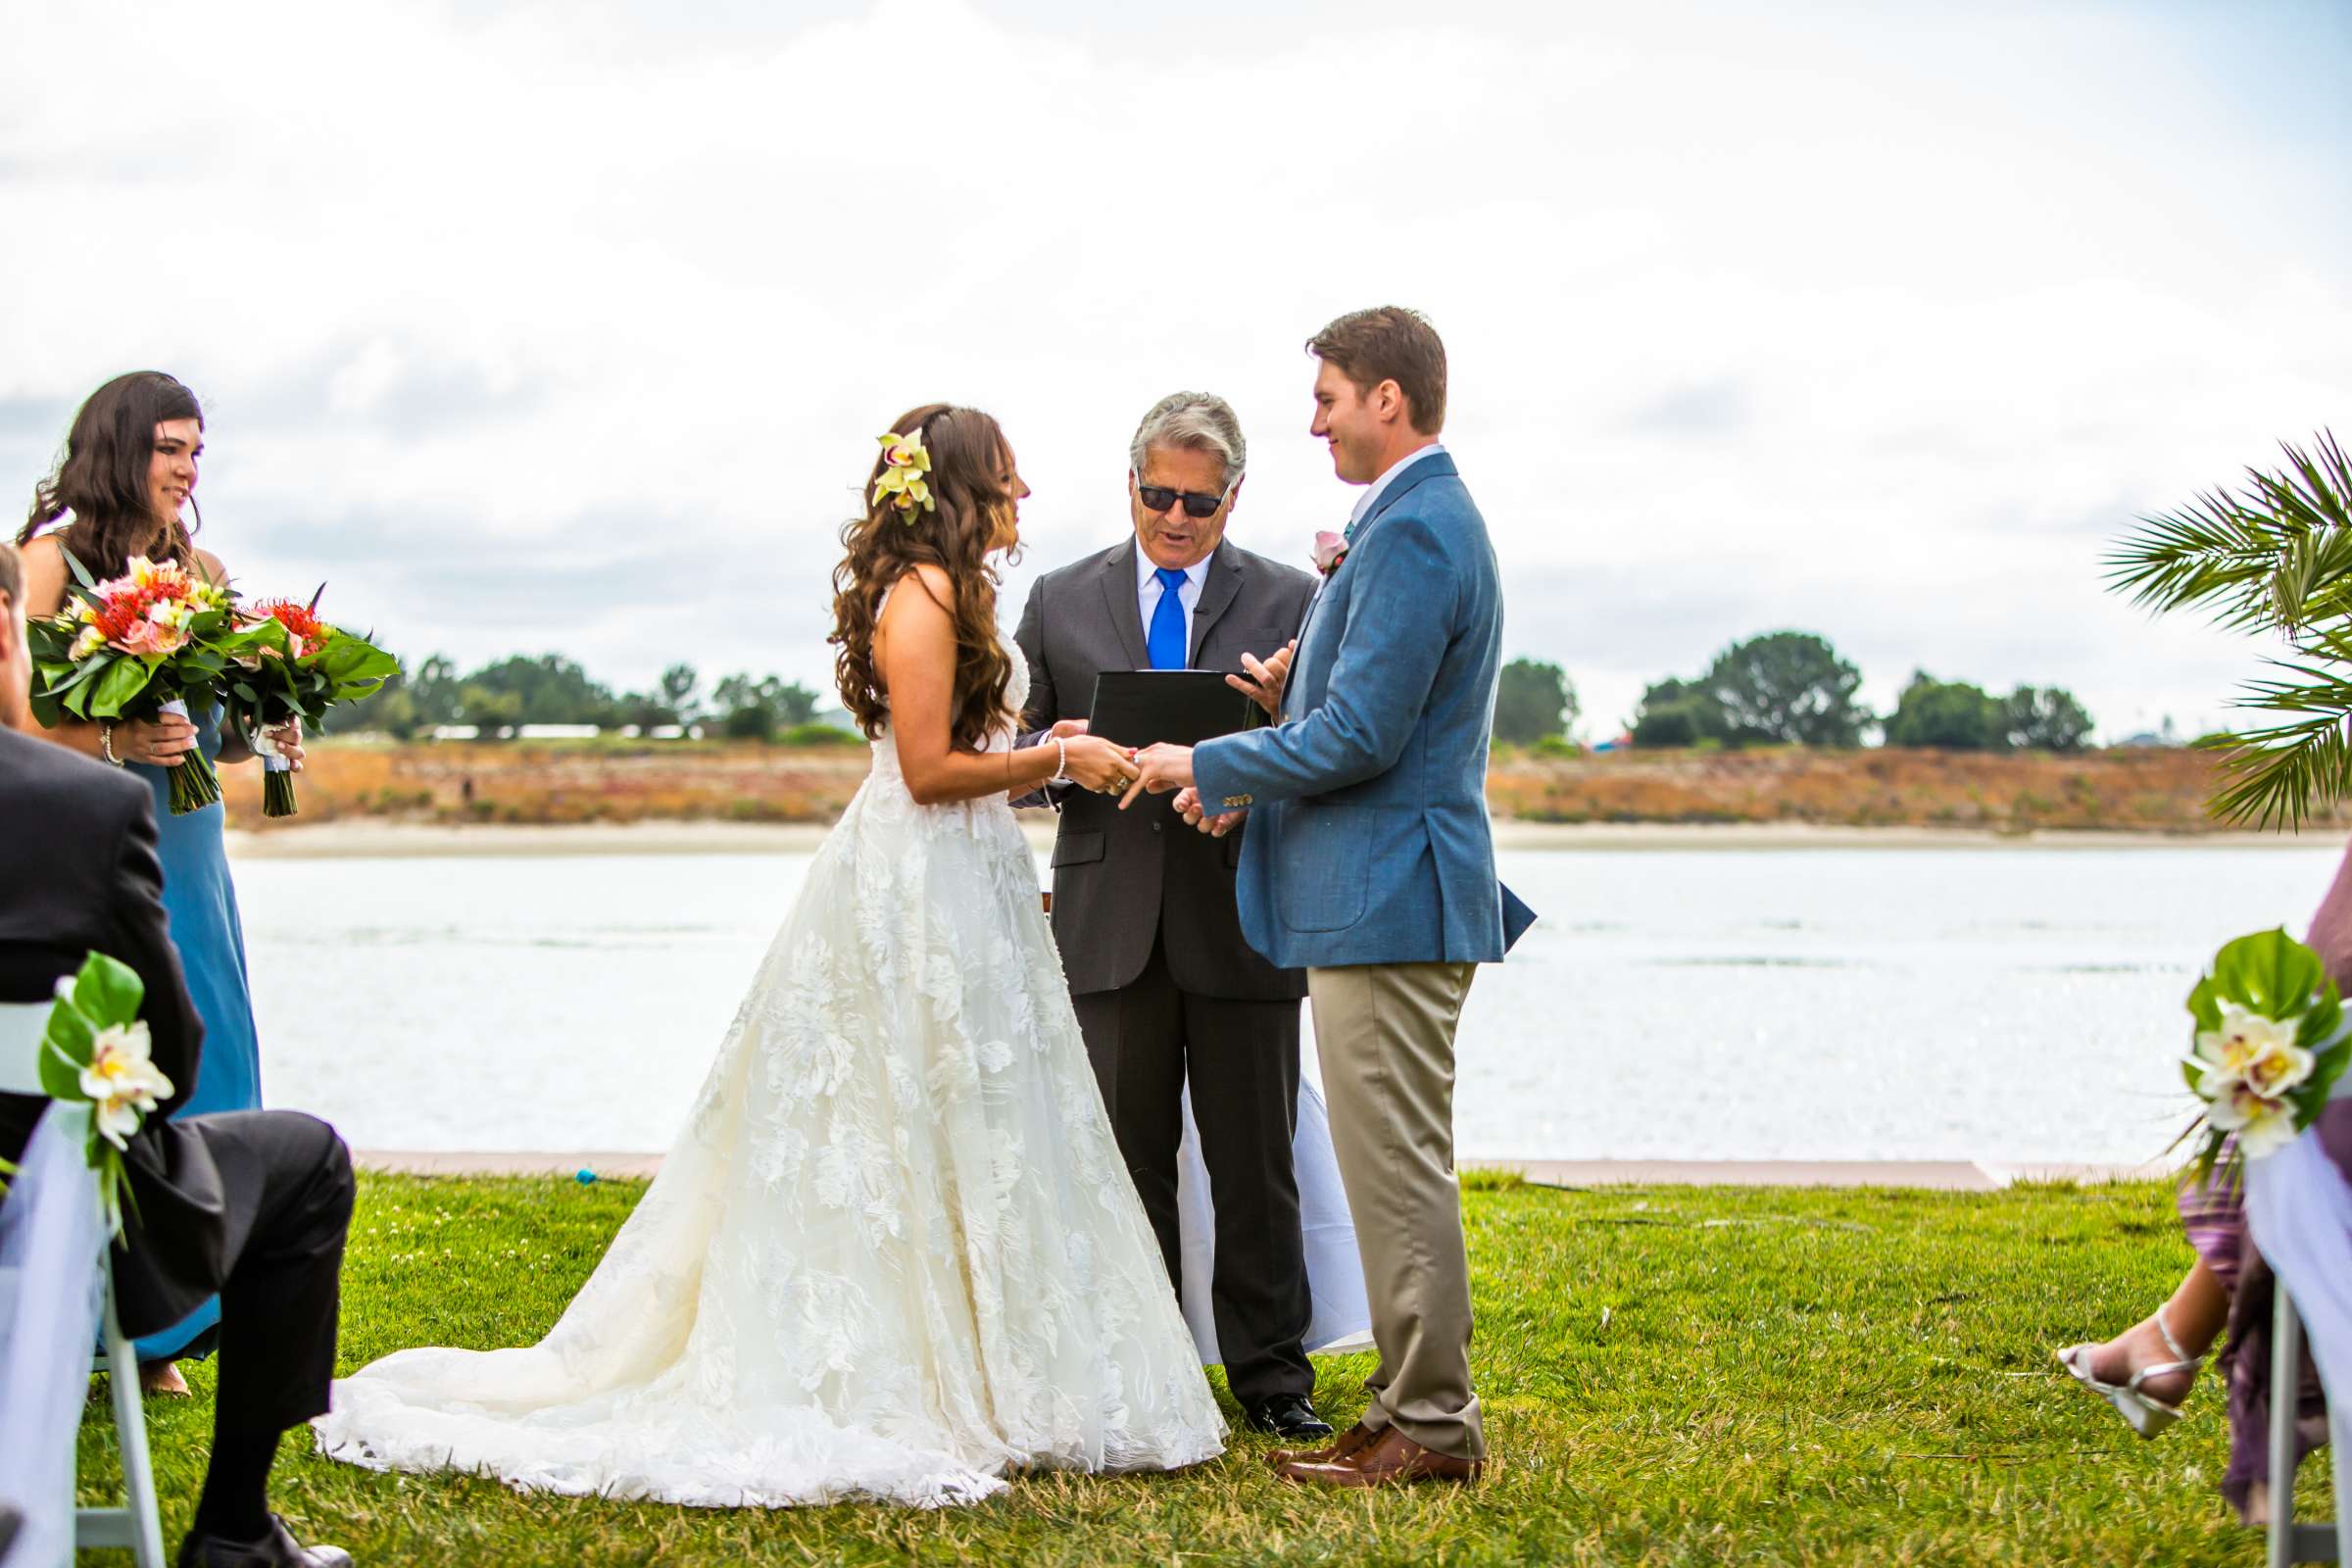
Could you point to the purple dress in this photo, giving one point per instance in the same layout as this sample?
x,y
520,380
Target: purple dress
x,y
2215,1217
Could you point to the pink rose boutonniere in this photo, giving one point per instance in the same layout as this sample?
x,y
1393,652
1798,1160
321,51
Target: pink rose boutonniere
x,y
1330,550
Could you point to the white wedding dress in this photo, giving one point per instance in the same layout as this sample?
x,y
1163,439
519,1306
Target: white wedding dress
x,y
893,1253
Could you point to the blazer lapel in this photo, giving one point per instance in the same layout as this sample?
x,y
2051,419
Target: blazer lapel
x,y
1436,465
1218,590
1121,602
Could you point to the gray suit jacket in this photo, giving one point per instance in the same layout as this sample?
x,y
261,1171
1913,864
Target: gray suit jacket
x,y
1124,878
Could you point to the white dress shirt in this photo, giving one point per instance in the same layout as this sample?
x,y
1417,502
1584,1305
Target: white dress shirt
x,y
1148,591
1371,497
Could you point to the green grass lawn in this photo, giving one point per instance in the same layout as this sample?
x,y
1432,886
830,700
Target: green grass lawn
x,y
1677,1376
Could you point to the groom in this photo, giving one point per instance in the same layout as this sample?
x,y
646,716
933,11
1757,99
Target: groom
x,y
1370,863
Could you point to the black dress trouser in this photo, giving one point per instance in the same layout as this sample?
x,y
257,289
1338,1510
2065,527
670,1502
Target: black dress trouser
x,y
1144,1040
291,1189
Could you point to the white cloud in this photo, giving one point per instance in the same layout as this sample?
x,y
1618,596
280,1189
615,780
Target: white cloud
x,y
560,326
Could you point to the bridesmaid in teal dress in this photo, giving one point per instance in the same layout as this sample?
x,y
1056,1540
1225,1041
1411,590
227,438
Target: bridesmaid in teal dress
x,y
130,470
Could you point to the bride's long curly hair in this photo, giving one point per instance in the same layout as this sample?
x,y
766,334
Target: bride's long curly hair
x,y
971,482
102,480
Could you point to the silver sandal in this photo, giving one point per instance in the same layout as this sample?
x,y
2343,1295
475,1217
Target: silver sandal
x,y
2146,1416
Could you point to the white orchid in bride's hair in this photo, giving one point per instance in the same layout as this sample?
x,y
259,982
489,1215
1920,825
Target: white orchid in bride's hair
x,y
906,452
904,462
2270,1042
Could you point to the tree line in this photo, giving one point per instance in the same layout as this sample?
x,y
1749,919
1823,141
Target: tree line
x,y
1780,688
550,689
1791,688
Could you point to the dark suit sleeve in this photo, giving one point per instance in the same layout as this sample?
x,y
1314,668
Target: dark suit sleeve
x,y
1038,717
1030,638
142,938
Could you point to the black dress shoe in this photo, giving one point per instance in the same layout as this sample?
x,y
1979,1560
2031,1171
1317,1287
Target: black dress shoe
x,y
1287,1415
277,1550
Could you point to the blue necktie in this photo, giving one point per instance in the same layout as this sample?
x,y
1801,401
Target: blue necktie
x,y
1166,640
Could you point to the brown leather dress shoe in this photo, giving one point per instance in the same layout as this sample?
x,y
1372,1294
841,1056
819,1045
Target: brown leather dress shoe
x,y
1388,1458
1347,1442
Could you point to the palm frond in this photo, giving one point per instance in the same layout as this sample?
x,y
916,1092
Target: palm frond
x,y
2275,557
2278,775
2210,552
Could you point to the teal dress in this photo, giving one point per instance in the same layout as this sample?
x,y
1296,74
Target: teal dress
x,y
200,903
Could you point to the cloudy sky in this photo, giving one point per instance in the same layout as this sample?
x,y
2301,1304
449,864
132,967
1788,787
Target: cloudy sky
x,y
567,325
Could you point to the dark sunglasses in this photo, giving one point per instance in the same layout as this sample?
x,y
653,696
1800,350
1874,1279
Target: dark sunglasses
x,y
1158,497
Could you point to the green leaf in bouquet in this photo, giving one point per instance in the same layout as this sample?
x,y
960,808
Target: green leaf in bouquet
x,y
2270,973
107,991
2316,1029
346,660
121,685
66,672
2327,1063
2205,1005
81,574
66,1042
52,680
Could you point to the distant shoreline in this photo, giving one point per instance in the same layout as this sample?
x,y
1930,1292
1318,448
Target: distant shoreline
x,y
351,838
735,797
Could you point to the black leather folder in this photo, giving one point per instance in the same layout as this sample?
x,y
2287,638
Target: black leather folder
x,y
1183,706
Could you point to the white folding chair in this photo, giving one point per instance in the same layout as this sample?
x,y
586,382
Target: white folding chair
x,y
2289,1542
137,1526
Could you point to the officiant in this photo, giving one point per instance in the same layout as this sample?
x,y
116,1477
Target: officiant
x,y
1166,990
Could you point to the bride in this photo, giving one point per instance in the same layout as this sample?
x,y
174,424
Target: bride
x,y
894,1253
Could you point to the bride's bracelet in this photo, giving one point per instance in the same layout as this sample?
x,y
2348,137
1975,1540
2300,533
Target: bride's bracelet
x,y
1061,762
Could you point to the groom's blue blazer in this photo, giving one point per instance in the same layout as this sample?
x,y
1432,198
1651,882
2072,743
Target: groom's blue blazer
x,y
1368,837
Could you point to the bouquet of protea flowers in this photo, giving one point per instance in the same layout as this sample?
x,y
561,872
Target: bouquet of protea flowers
x,y
294,666
95,1054
2271,1041
136,646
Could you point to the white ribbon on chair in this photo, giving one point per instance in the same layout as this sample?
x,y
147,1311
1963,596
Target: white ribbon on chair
x,y
2299,1212
52,1236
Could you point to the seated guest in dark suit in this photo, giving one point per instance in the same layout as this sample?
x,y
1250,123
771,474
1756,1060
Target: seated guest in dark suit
x,y
252,1206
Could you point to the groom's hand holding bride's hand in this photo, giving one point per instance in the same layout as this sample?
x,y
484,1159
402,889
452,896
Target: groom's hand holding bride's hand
x,y
1160,768
1092,762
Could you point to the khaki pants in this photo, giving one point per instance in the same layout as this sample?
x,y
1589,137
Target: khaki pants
x,y
1385,1034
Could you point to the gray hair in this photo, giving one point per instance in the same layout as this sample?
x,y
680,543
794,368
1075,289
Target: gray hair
x,y
1199,421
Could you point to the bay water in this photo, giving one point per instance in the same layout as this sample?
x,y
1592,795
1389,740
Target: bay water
x,y
1902,1002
